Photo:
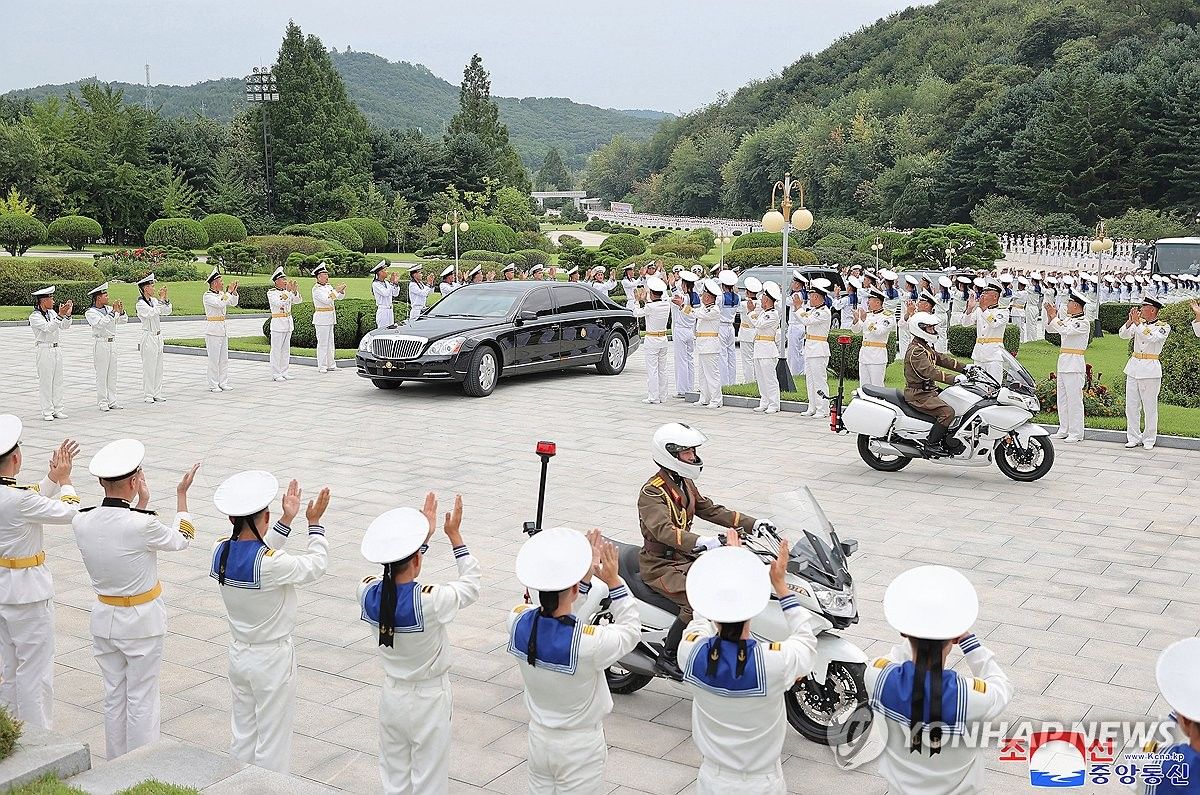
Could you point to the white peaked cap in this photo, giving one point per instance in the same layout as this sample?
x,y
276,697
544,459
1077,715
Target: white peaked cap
x,y
554,559
931,602
753,285
379,266
100,289
1178,675
395,535
727,278
117,459
246,493
887,275
688,276
10,432
944,281
44,291
214,273
149,279
655,284
279,273
449,269
711,286
774,290
728,584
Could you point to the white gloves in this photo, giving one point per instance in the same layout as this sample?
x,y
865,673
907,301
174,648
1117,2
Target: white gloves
x,y
961,378
705,543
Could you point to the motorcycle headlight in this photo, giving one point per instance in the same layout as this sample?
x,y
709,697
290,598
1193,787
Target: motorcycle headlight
x,y
446,347
365,344
836,603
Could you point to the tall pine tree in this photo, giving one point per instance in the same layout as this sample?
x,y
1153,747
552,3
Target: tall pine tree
x,y
478,115
553,174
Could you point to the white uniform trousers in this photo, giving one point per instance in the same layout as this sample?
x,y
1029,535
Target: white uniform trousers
x,y
104,354
709,367
941,343
27,661
816,381
1141,397
385,316
414,736
152,364
1070,404
749,371
415,311
685,348
656,371
567,761
263,678
281,353
768,383
717,780
218,361
50,378
994,369
795,349
871,373
728,355
903,338
325,348
130,668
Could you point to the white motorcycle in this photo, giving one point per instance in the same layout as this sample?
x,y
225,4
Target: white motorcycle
x,y
828,705
992,422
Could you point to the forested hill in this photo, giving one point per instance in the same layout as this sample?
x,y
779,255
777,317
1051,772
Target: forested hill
x,y
402,95
1084,107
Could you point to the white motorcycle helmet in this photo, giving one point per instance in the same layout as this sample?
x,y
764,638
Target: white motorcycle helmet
x,y
917,326
672,439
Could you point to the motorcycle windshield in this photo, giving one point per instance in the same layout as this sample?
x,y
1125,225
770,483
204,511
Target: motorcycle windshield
x,y
815,551
1014,372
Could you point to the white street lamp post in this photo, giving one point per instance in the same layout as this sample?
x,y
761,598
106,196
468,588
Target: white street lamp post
x,y
877,246
722,242
457,226
784,220
1100,246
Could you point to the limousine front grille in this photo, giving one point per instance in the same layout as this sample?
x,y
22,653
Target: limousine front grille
x,y
397,347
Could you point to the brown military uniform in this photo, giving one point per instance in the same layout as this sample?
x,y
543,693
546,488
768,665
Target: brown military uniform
x,y
922,373
666,513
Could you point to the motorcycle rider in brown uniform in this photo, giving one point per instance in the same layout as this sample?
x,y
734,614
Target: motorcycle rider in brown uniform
x,y
922,373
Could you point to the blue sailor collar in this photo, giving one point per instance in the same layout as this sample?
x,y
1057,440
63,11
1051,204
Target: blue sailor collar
x,y
409,616
557,640
244,567
893,696
725,682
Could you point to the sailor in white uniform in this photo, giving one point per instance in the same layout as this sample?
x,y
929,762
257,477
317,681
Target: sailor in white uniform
x,y
258,585
708,344
475,275
962,294
738,683
447,284
325,297
1072,368
763,320
411,621
217,301
599,283
385,290
509,272
103,320
1177,673
418,292
26,587
1035,300
746,332
910,294
989,322
282,297
729,301
1196,323
47,323
119,541
572,273
562,659
655,312
629,284
816,320
1143,372
151,309
875,326
797,300
683,331
934,608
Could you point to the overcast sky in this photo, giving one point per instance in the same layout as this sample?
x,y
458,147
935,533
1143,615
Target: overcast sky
x,y
661,54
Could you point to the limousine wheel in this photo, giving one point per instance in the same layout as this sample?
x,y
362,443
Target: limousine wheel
x,y
482,373
615,354
385,383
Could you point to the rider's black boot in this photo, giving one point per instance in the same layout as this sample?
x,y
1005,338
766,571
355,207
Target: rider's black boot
x,y
667,663
933,443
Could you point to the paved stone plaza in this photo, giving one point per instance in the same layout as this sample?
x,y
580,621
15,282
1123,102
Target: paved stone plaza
x,y
1083,576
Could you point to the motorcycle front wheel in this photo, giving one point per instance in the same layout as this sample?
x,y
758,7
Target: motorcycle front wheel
x,y
1025,465
876,461
623,682
834,713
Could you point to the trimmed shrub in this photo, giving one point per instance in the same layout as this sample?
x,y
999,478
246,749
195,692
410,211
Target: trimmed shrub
x,y
679,248
340,263
834,240
373,234
534,240
654,237
569,241
623,245
765,240
961,340
10,733
20,293
181,232
253,296
850,352
50,269
223,228
19,232
751,257
1113,316
666,263
533,256
1180,357
277,248
355,317
489,256
481,236
342,232
175,270
239,258
703,237
595,226
75,231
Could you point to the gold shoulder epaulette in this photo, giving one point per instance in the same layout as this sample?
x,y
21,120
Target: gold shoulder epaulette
x,y
691,637
426,589
656,480
32,487
980,686
882,662
368,579
521,608
589,629
270,552
776,646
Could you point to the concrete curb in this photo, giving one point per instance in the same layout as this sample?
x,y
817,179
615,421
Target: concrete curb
x,y
167,319
251,356
40,752
1091,434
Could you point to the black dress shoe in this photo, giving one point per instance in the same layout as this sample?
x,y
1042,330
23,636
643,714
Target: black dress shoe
x,y
668,666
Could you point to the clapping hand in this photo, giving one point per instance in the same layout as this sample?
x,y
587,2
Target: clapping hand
x,y
607,569
162,293
430,511
233,288
316,508
796,300
452,523
185,482
677,300
1196,309
140,489
65,308
1051,311
341,288
62,460
291,502
1135,315
779,571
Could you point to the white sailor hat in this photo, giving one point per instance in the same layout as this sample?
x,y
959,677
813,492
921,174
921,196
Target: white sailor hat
x,y
1129,279
1109,279
772,289
910,279
1051,280
655,284
697,269
45,291
628,266
963,280
449,269
753,285
1006,278
1022,281
574,269
990,284
117,460
471,274
715,269
816,288
416,266
10,432
322,268
927,296
217,272
394,535
554,560
1067,279
727,278
821,283
1152,301
689,276
512,266
537,268
856,267
887,275
149,279
875,292
677,269
1076,297
854,282
278,273
598,269
711,286
944,281
797,276
728,584
246,493
930,603
1036,275
652,264
103,288
1178,675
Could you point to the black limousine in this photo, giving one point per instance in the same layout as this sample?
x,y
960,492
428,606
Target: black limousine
x,y
482,332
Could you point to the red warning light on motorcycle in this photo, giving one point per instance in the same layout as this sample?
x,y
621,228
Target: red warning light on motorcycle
x,y
843,340
546,448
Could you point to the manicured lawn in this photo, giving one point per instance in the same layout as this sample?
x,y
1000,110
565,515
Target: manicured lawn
x,y
50,785
1107,356
257,345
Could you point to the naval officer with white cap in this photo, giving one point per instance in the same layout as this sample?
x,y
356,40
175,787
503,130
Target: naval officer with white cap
x,y
151,309
1143,372
119,542
655,312
1178,675
217,301
764,324
562,660
26,587
282,297
448,283
1074,331
989,322
746,333
258,585
47,323
385,290
412,621
418,291
925,704
876,326
325,297
103,320
816,319
738,683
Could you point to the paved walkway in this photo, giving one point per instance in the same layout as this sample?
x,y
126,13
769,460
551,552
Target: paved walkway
x,y
1083,576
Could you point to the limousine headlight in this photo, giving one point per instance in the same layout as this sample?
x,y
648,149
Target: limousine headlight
x,y
365,344
446,347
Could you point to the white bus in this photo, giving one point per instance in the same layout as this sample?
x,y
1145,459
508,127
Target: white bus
x,y
1175,255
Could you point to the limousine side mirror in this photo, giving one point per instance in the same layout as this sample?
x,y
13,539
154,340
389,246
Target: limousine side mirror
x,y
526,316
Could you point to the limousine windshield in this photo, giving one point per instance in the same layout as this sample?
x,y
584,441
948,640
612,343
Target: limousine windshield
x,y
491,300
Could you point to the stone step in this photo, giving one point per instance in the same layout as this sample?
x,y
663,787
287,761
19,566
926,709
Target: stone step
x,y
174,762
39,752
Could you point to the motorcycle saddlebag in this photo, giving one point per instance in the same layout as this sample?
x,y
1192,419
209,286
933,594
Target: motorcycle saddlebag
x,y
865,416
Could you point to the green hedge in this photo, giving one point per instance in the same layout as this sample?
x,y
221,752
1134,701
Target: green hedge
x,y
223,228
340,263
20,293
680,248
481,236
623,245
355,317
666,263
342,232
238,258
532,256
49,270
1113,316
765,240
254,296
277,248
961,340
753,257
490,256
75,231
658,235
373,234
181,232
19,232
1180,357
850,352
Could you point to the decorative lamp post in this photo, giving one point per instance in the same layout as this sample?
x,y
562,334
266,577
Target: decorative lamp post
x,y
1099,246
877,246
950,257
722,242
261,88
456,226
785,220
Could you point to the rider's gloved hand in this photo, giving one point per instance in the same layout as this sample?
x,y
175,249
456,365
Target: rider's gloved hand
x,y
764,526
705,543
961,378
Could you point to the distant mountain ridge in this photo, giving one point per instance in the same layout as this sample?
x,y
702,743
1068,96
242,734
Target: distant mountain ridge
x,y
402,95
